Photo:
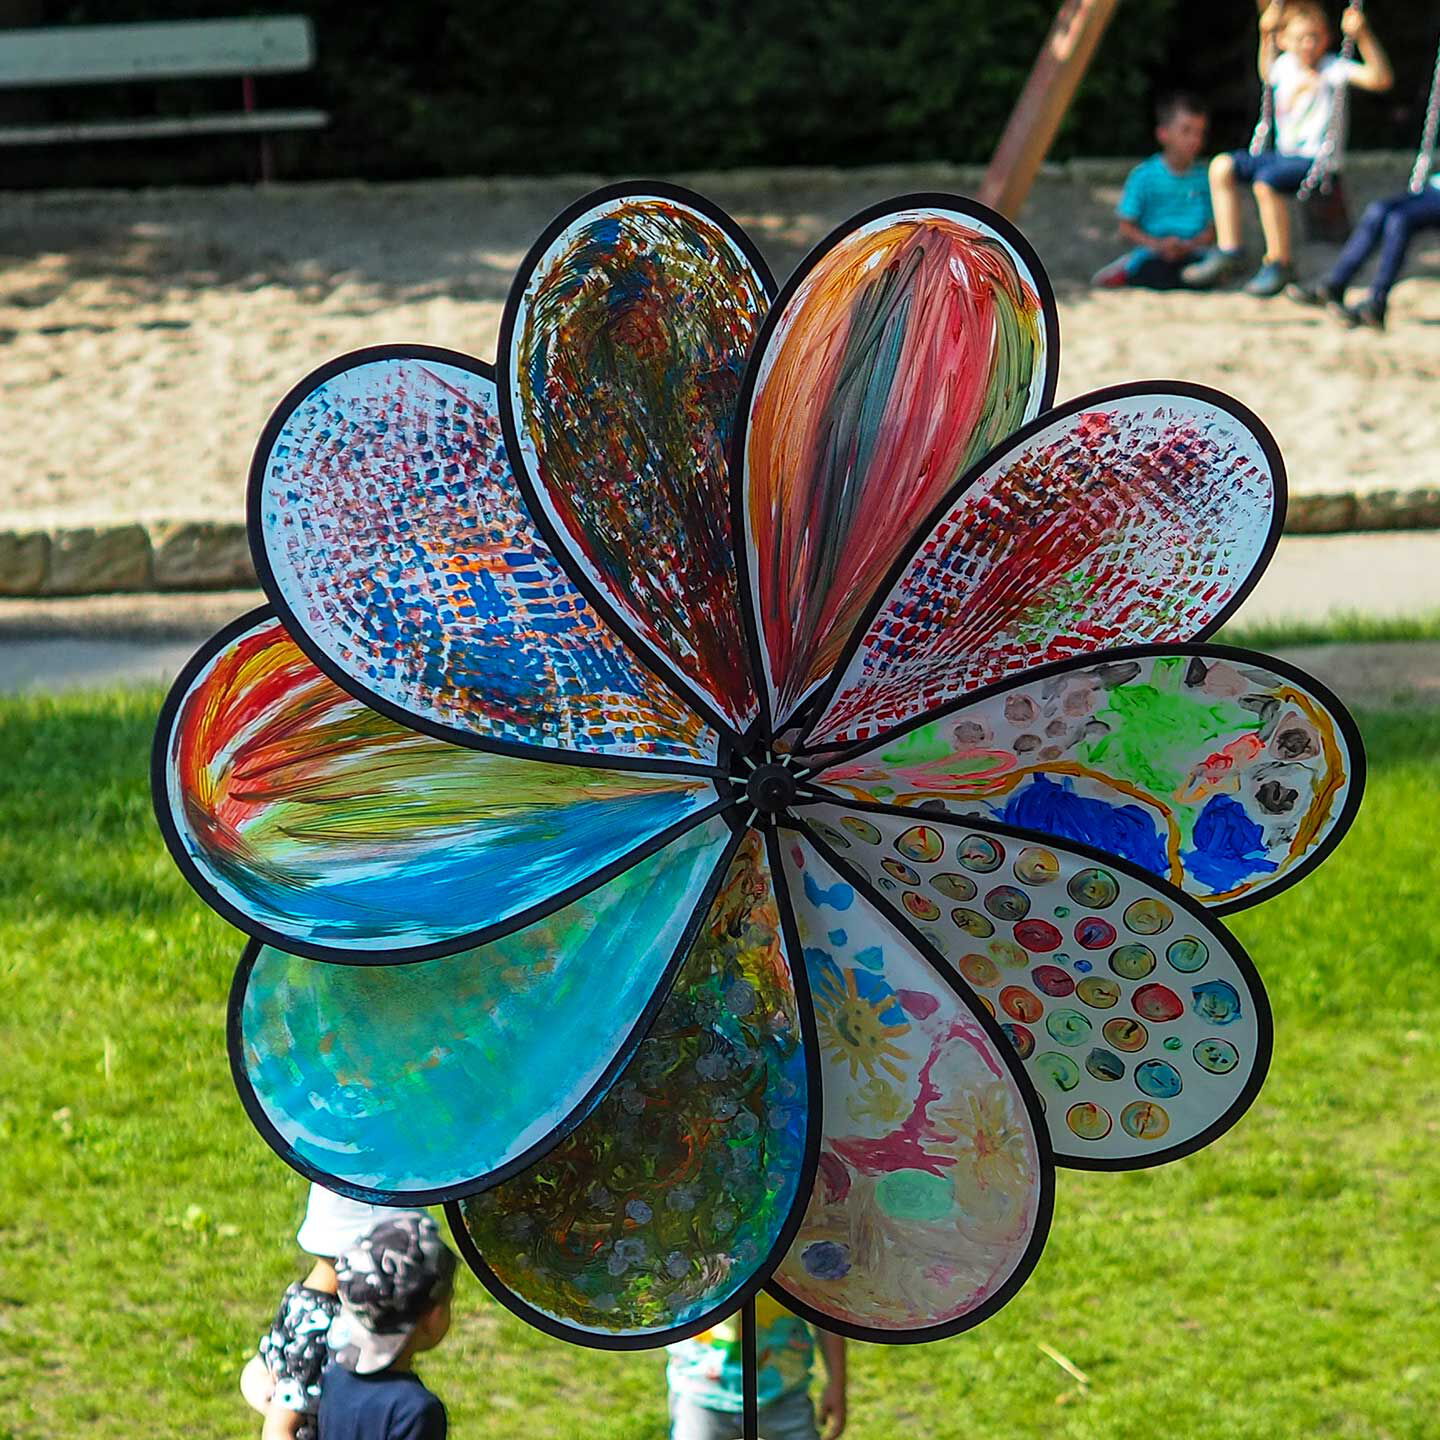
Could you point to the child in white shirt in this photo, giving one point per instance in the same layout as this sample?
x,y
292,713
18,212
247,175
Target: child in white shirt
x,y
1307,80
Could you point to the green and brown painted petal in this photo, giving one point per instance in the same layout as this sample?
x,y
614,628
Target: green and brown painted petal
x,y
1227,773
674,1194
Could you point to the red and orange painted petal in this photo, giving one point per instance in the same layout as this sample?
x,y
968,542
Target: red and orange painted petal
x,y
329,830
906,347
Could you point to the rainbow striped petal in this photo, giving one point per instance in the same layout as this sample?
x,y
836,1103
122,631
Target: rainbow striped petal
x,y
318,825
1227,773
412,1083
677,1194
392,535
1138,514
935,1185
906,346
621,352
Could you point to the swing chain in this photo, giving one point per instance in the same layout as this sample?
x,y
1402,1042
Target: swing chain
x,y
1322,170
1425,158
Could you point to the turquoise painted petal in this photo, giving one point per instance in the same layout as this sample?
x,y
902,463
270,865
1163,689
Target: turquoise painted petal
x,y
321,826
677,1192
422,1081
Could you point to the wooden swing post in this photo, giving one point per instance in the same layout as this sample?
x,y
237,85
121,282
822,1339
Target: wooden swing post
x,y
1036,118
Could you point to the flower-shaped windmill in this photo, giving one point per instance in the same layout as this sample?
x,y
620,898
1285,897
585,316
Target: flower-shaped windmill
x,y
737,794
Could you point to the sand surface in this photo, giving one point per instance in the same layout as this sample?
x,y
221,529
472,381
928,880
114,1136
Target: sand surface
x,y
144,337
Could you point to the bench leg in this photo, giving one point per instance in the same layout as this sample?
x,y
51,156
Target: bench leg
x,y
267,152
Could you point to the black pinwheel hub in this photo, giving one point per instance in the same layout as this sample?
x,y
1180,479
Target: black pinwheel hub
x,y
771,788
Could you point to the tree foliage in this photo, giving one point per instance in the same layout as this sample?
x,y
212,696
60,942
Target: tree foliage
x,y
459,87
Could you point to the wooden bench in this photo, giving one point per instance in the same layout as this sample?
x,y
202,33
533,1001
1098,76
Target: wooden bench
x,y
74,55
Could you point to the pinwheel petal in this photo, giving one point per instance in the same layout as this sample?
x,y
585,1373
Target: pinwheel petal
x,y
413,1083
1228,773
915,338
390,531
1142,513
621,352
1141,1022
670,1203
935,1184
320,826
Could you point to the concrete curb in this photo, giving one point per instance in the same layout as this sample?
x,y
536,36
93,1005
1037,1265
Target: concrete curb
x,y
192,555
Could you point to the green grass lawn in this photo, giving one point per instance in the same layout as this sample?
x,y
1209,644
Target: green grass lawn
x,y
1281,1283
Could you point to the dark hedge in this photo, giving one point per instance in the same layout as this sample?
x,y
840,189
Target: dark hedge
x,y
441,87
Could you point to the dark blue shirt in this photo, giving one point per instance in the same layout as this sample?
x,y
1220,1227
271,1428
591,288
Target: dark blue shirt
x,y
387,1406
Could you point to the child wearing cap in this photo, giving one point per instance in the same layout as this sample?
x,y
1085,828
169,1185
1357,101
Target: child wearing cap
x,y
282,1380
395,1287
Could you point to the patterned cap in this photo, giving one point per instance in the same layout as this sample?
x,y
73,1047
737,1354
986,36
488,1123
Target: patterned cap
x,y
388,1280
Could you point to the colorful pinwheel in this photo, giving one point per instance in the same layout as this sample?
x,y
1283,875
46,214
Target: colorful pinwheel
x,y
739,793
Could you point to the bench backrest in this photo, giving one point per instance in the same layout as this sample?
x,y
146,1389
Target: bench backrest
x,y
99,54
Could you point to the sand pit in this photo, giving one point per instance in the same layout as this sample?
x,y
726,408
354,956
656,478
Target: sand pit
x,y
144,337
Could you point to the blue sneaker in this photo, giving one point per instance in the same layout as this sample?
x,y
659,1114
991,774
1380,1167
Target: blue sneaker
x,y
1213,267
1270,279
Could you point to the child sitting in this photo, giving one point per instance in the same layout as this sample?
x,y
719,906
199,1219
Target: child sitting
x,y
1164,209
282,1380
705,1377
1388,224
1306,81
395,1291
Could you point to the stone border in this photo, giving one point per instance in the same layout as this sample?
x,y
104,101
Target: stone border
x,y
213,555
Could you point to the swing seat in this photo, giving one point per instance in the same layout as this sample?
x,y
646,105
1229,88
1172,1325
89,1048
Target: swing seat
x,y
1325,213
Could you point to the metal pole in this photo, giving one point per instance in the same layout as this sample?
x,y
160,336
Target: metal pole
x,y
1036,118
750,1374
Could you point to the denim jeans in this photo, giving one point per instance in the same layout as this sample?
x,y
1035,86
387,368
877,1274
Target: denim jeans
x,y
791,1417
1388,224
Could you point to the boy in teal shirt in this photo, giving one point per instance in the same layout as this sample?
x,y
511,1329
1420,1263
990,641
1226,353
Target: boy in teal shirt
x,y
1165,208
705,1377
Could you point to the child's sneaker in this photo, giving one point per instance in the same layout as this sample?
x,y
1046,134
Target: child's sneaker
x,y
1270,279
1313,292
1214,267
1368,315
1114,276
